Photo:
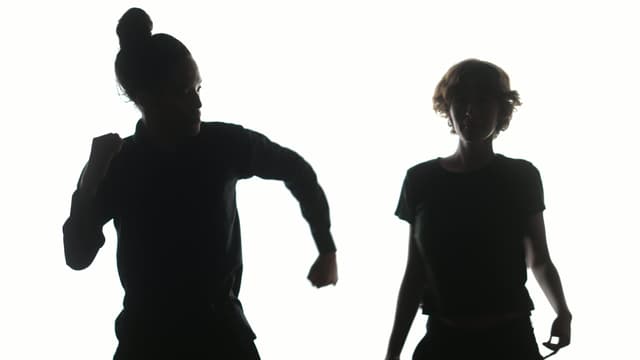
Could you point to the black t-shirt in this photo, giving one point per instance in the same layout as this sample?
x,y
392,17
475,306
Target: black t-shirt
x,y
175,212
470,229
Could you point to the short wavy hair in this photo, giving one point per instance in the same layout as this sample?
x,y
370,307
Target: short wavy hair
x,y
490,77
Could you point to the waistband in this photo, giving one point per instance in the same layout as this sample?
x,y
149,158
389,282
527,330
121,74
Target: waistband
x,y
480,322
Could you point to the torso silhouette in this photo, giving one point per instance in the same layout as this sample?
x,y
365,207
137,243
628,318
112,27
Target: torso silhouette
x,y
470,229
175,213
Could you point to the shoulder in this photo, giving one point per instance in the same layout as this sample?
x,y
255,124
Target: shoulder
x,y
520,166
424,169
522,172
221,128
224,134
228,131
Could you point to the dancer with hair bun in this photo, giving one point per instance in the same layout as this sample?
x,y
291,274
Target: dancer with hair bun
x,y
170,190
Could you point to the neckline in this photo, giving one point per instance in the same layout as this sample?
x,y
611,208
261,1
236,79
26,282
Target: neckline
x,y
142,136
487,166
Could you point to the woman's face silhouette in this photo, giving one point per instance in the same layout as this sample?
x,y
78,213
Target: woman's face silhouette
x,y
175,109
474,113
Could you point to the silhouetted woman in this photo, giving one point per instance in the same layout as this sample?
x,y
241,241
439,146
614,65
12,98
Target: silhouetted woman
x,y
476,224
170,190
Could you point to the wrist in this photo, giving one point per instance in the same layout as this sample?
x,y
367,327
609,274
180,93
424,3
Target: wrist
x,y
324,241
93,174
565,314
98,165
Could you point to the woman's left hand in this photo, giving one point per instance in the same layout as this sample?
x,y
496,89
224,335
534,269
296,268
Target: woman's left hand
x,y
324,270
561,328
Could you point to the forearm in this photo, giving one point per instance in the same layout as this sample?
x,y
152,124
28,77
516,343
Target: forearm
x,y
315,210
90,204
80,248
549,280
407,306
304,186
92,175
82,231
324,243
269,160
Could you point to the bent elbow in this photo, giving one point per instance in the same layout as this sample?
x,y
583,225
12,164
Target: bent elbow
x,y
78,261
79,255
80,246
77,265
541,265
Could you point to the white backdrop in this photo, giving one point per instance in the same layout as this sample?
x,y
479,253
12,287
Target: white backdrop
x,y
348,85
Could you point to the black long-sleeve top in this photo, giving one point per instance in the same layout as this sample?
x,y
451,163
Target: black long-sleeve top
x,y
175,211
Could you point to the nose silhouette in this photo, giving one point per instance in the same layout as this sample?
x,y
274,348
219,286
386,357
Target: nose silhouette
x,y
198,102
194,99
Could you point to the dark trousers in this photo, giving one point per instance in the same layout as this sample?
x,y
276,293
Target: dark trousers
x,y
195,335
511,340
187,349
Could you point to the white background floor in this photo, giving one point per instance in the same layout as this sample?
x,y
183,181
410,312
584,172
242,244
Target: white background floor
x,y
348,85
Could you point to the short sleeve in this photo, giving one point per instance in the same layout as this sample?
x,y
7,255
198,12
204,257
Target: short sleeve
x,y
404,209
533,200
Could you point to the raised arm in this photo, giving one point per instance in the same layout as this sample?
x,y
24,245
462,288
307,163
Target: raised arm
x,y
269,160
82,231
538,259
409,296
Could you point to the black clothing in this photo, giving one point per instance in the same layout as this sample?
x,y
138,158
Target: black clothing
x,y
174,210
511,340
470,230
193,333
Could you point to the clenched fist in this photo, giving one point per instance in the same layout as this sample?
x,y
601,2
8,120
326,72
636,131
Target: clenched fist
x,y
103,149
324,270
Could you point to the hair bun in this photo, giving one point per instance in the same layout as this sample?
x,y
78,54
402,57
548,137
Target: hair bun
x,y
134,28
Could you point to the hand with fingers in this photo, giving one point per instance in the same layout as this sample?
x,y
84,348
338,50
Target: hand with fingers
x,y
324,270
561,329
